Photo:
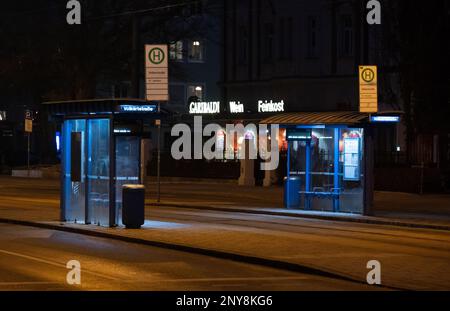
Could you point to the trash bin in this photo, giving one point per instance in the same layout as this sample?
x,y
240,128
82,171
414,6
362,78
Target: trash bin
x,y
133,201
291,189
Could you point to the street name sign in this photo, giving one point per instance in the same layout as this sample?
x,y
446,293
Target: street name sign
x,y
156,72
368,89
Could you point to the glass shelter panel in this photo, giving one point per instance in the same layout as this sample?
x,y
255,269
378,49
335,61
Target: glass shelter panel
x,y
127,167
351,161
322,170
73,170
98,172
330,168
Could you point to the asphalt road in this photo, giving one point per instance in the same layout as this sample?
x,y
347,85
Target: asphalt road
x,y
35,259
416,259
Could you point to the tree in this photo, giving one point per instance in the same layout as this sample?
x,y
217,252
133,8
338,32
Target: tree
x,y
53,60
416,41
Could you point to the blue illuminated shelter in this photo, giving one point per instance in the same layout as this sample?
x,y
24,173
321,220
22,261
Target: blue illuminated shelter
x,y
330,159
100,152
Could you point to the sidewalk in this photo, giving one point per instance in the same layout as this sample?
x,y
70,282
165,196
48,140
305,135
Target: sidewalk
x,y
390,208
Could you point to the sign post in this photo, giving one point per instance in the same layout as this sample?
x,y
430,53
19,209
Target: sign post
x,y
157,89
368,89
156,73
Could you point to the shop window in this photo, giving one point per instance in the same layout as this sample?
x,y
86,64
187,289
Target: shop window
x,y
196,51
176,51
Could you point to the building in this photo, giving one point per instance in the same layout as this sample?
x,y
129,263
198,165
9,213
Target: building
x,y
303,52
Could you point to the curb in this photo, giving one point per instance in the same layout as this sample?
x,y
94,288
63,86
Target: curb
x,y
241,258
386,222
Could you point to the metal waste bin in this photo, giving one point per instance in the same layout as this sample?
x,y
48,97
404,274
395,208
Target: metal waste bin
x,y
291,189
133,202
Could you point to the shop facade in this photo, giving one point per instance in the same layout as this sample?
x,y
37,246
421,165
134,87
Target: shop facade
x,y
326,158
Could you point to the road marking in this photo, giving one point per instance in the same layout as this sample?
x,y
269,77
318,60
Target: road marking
x,y
55,264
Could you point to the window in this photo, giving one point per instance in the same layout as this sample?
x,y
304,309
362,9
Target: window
x,y
121,90
195,93
176,51
285,38
282,38
312,36
243,45
196,51
2,115
193,9
177,94
289,39
346,36
268,43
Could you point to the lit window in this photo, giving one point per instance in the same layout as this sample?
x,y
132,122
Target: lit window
x,y
176,51
2,115
196,51
195,93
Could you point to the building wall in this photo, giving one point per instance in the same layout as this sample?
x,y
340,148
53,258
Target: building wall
x,y
312,62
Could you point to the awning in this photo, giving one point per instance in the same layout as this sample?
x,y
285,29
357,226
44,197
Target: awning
x,y
316,118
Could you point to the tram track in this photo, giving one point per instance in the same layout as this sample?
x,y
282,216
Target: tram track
x,y
234,221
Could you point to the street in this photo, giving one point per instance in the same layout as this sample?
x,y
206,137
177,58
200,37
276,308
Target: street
x,y
410,258
35,259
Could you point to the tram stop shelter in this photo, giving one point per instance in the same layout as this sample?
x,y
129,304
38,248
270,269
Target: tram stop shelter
x,y
100,152
330,159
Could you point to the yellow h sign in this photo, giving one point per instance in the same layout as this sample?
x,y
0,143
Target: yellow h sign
x,y
368,89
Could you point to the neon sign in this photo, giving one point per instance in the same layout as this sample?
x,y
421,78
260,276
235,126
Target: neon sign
x,y
137,108
204,107
270,106
392,119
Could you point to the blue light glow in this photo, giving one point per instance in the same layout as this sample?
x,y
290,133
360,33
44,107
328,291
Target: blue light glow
x,y
136,108
393,119
58,141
